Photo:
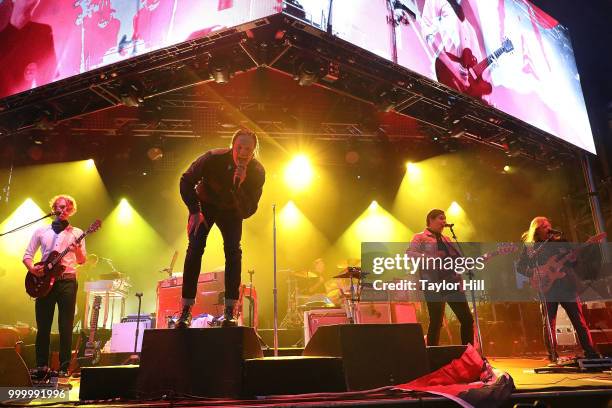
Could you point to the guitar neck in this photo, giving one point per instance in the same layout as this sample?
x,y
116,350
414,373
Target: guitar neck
x,y
65,251
482,65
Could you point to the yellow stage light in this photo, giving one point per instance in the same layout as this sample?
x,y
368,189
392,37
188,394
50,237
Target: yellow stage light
x,y
506,168
125,214
290,215
299,173
373,205
454,209
413,172
90,164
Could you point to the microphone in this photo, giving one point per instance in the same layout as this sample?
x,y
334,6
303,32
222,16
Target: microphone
x,y
239,172
555,232
53,214
449,225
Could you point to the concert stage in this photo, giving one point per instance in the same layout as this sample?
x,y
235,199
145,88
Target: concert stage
x,y
556,390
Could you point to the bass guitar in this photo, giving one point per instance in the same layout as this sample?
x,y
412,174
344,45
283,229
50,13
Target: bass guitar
x,y
39,286
544,276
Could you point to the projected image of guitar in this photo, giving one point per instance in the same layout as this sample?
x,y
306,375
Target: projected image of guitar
x,y
546,275
41,286
464,73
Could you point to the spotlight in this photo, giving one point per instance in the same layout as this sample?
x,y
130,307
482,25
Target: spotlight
x,y
298,174
308,72
219,70
506,168
373,205
388,100
155,153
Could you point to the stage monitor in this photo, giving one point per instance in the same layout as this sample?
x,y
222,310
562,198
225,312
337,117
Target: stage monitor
x,y
43,41
507,53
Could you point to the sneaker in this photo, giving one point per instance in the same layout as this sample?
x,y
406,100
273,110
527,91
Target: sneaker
x,y
184,321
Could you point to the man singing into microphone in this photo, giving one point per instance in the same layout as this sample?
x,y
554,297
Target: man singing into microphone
x,y
541,244
56,237
221,187
432,243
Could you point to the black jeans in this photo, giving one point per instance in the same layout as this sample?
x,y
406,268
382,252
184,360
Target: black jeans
x,y
574,312
63,294
230,225
436,303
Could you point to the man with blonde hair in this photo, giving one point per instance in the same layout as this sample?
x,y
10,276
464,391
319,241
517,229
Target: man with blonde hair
x,y
57,236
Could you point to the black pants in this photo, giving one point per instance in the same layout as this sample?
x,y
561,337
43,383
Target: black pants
x,y
230,225
436,302
63,294
574,312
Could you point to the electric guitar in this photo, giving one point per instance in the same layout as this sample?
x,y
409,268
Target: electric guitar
x,y
544,276
41,286
475,85
91,353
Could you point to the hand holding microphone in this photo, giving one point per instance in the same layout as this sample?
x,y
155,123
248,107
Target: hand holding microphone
x,y
239,173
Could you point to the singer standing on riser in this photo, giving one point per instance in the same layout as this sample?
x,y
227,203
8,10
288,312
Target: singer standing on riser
x,y
223,187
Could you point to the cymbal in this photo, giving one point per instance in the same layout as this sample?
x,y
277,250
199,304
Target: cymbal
x,y
351,272
306,274
351,262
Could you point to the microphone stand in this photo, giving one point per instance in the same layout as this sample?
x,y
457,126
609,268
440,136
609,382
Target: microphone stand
x,y
470,274
27,224
251,298
274,290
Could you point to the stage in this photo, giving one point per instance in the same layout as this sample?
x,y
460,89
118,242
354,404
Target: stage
x,y
565,389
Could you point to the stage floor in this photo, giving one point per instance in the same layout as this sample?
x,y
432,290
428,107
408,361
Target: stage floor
x,y
589,389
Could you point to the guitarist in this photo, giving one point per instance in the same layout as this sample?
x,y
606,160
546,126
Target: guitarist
x,y
434,244
542,244
56,237
450,34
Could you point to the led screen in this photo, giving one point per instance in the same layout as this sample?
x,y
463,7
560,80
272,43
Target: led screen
x,y
507,53
42,41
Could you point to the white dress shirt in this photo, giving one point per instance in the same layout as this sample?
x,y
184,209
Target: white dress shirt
x,y
48,241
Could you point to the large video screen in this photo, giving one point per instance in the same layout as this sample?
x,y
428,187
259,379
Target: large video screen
x,y
507,53
42,41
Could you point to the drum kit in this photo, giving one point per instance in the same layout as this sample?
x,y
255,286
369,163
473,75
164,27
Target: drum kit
x,y
341,291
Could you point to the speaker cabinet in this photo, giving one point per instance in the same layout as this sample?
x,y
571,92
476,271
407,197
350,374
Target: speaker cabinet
x,y
373,355
13,370
200,362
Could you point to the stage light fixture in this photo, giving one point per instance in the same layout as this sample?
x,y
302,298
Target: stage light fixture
x,y
219,70
388,100
299,173
155,153
308,72
506,168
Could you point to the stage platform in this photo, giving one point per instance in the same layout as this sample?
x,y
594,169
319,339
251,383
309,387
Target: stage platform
x,y
591,389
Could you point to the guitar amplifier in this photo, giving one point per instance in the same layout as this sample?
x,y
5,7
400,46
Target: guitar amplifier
x,y
122,338
209,297
313,319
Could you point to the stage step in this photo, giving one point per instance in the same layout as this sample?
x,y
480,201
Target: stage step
x,y
293,375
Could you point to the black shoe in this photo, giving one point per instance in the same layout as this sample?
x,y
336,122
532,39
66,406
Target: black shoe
x,y
229,321
39,373
184,320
